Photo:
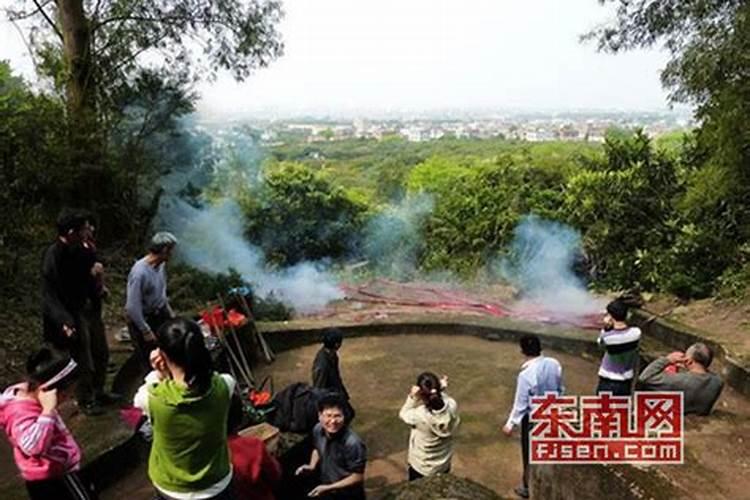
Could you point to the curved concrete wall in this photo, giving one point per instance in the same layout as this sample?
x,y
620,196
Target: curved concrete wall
x,y
678,336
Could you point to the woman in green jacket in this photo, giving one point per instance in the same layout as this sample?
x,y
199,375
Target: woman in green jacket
x,y
187,403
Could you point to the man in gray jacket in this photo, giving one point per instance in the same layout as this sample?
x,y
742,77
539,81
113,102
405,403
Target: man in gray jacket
x,y
687,373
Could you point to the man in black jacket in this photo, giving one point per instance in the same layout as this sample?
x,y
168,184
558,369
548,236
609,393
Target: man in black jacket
x,y
67,293
325,370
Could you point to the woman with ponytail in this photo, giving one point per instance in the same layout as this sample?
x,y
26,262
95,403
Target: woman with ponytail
x,y
433,417
188,404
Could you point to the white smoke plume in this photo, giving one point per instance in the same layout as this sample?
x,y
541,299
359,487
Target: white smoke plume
x,y
540,266
392,239
212,239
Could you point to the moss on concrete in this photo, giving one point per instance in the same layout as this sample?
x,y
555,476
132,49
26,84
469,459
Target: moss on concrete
x,y
446,486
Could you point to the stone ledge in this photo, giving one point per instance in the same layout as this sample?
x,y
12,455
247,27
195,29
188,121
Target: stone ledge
x,y
596,481
736,373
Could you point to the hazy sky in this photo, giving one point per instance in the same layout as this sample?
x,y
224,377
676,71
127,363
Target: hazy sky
x,y
434,54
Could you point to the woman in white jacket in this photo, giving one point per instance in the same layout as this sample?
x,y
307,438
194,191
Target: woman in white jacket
x,y
433,417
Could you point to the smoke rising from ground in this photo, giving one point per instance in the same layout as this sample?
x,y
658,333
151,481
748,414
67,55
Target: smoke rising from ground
x,y
212,239
540,265
392,239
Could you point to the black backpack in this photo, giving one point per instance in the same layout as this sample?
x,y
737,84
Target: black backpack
x,y
296,408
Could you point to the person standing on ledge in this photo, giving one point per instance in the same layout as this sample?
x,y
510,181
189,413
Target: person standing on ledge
x,y
147,305
620,342
539,375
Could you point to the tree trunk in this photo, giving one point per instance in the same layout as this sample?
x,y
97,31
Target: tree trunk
x,y
80,84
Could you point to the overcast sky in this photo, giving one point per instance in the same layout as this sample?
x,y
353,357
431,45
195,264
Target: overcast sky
x,y
379,55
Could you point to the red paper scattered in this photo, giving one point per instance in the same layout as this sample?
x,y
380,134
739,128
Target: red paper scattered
x,y
216,318
259,398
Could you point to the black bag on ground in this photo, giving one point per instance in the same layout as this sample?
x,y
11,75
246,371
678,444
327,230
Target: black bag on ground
x,y
296,408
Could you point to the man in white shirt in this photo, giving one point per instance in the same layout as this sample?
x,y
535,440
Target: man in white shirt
x,y
539,375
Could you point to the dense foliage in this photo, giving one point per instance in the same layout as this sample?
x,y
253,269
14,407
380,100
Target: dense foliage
x,y
297,215
708,42
33,173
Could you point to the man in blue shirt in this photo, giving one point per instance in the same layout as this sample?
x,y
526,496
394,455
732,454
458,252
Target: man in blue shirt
x,y
539,375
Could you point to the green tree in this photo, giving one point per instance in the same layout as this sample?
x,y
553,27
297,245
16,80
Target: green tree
x,y
296,214
708,41
32,149
103,52
477,209
624,207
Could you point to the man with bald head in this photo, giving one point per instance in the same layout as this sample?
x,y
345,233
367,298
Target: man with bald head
x,y
687,373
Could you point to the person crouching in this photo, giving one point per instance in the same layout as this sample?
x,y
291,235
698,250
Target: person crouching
x,y
338,452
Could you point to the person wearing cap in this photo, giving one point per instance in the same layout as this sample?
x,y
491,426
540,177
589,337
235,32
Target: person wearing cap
x,y
147,305
45,452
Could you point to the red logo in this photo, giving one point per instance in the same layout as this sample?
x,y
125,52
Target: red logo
x,y
647,428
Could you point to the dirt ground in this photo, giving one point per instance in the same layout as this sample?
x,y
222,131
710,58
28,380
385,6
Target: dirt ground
x,y
378,372
724,321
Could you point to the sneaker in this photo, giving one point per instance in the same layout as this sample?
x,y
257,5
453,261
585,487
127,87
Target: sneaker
x,y
108,398
522,491
91,409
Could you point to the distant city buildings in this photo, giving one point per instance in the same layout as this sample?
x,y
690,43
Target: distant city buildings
x,y
533,128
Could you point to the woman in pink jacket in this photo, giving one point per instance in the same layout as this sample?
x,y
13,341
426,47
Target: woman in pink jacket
x,y
44,449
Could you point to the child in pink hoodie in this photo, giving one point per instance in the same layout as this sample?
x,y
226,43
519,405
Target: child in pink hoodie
x,y
44,449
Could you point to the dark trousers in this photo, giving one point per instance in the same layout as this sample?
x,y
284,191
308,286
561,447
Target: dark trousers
x,y
413,475
142,346
68,487
356,492
616,387
88,347
525,429
91,352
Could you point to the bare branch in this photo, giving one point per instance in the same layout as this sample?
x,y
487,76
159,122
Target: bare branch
x,y
40,9
14,22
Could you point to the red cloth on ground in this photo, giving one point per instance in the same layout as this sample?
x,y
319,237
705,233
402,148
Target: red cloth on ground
x,y
255,470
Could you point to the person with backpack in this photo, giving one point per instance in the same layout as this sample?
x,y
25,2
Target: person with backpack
x,y
433,418
188,406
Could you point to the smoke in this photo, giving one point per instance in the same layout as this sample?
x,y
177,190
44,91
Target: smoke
x,y
540,265
392,239
212,236
212,239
